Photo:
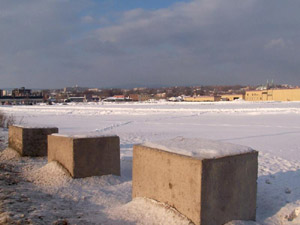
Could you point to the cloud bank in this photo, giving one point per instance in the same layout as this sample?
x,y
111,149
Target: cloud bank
x,y
56,43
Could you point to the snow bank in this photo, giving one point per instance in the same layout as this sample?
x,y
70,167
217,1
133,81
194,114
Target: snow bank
x,y
198,147
82,135
270,127
147,212
9,154
33,127
168,108
52,174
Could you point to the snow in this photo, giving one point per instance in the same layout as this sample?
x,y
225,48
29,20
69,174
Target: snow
x,y
157,213
9,154
81,135
32,190
52,174
33,127
198,147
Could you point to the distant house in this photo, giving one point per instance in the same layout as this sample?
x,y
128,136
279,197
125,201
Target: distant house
x,y
139,97
115,98
120,97
160,95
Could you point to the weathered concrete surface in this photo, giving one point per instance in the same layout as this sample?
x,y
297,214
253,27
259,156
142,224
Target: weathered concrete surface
x,y
207,191
85,157
29,141
170,178
229,188
61,149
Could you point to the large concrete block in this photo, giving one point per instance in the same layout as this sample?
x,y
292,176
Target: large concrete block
x,y
86,156
30,141
209,182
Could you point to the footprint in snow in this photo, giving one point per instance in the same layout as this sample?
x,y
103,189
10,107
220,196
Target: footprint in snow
x,y
268,181
288,191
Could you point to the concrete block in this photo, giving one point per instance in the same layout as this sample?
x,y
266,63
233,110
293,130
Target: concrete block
x,y
29,141
209,186
86,156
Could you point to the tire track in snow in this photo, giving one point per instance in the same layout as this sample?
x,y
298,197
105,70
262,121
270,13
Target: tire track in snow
x,y
174,117
114,126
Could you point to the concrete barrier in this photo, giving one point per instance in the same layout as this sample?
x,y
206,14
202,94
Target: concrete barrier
x,y
29,141
86,156
210,186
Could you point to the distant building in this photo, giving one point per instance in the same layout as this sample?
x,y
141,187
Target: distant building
x,y
75,89
274,95
94,89
6,93
161,95
202,99
232,97
115,98
20,96
10,100
119,97
139,88
139,97
77,99
21,92
92,98
254,95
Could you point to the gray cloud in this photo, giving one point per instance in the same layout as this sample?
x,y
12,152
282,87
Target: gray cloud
x,y
52,44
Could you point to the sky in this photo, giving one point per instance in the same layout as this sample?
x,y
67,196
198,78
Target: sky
x,y
132,43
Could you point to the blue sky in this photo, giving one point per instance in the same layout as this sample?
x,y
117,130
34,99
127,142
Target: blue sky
x,y
117,5
114,43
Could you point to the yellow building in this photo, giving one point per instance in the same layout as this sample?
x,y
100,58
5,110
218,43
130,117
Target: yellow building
x,y
231,97
274,95
286,95
253,96
202,99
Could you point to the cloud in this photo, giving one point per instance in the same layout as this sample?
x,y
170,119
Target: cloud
x,y
211,41
276,43
33,40
197,42
87,19
165,25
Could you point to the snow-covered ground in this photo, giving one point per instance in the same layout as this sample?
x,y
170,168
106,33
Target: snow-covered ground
x,y
272,128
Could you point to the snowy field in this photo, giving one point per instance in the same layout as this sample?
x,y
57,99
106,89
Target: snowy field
x,y
44,193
